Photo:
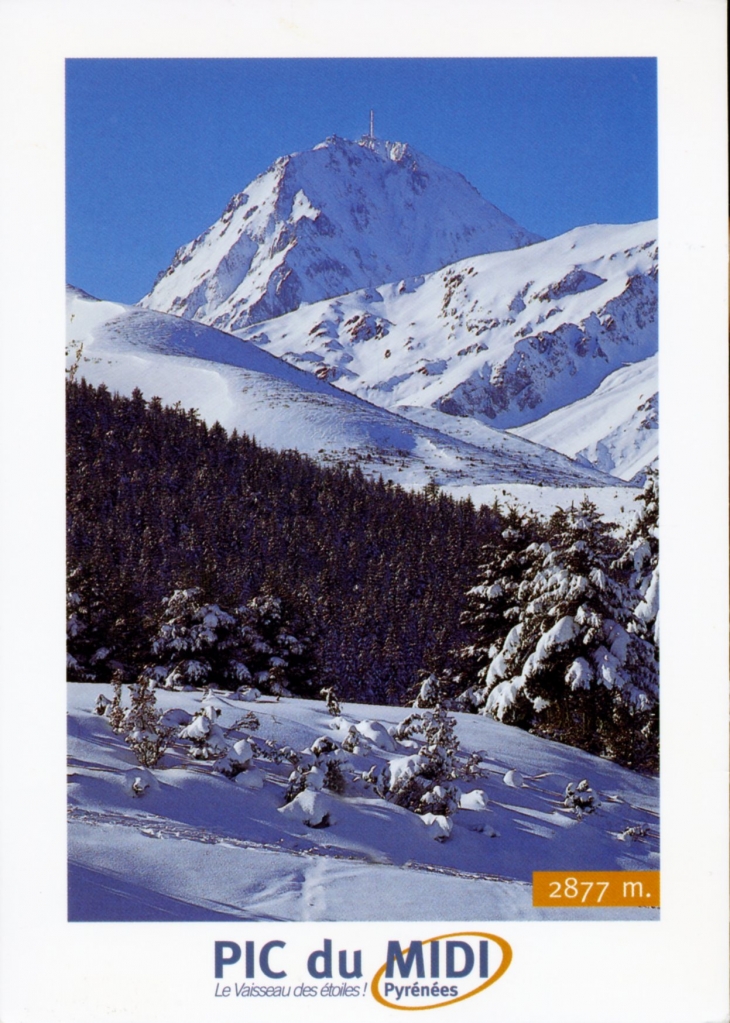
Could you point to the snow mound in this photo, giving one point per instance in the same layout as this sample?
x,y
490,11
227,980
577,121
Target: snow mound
x,y
439,827
311,808
376,734
474,800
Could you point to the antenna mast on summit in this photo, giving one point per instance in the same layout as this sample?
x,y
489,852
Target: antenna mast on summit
x,y
369,140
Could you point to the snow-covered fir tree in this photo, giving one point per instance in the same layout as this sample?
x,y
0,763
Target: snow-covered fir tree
x,y
204,736
508,557
569,660
429,693
89,624
145,733
641,559
199,644
423,782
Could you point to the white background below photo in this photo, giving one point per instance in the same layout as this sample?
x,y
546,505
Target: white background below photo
x,y
670,970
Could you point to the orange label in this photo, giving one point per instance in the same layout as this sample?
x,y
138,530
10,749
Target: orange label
x,y
595,888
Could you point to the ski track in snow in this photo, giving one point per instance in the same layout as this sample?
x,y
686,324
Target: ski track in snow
x,y
152,826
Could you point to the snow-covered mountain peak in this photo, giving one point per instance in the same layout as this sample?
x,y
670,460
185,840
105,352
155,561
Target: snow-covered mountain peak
x,y
327,221
395,152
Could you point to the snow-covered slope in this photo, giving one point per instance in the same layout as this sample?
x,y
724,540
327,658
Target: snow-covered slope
x,y
326,221
615,428
243,387
183,842
506,337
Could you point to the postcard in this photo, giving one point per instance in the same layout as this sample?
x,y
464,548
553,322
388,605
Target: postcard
x,y
379,422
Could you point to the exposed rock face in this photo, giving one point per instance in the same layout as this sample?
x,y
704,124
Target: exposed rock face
x,y
342,216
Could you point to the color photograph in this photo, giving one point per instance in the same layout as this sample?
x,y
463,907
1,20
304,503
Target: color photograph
x,y
362,489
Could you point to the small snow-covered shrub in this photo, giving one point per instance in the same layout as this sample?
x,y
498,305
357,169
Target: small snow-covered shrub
x,y
439,826
206,738
369,777
334,779
474,766
333,703
474,800
267,749
323,746
139,787
429,695
311,807
410,724
145,734
314,778
236,760
580,798
635,833
320,768
249,721
376,734
176,718
440,800
352,741
115,712
148,747
248,694
297,783
102,702
423,782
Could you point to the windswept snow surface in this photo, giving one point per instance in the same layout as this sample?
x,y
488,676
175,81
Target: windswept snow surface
x,y
505,338
319,223
615,428
242,387
199,846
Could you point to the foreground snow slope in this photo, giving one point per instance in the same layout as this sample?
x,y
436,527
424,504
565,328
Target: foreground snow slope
x,y
198,846
242,387
325,221
505,337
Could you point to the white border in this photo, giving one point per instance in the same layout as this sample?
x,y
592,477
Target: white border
x,y
674,970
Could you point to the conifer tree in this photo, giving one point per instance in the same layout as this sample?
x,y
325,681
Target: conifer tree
x,y
145,734
569,662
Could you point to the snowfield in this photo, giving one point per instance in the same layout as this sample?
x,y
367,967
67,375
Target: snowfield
x,y
503,337
182,841
616,428
615,504
242,387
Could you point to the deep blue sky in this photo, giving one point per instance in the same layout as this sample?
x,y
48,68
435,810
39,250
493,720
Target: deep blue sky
x,y
155,148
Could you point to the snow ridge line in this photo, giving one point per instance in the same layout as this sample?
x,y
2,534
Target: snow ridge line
x,y
153,826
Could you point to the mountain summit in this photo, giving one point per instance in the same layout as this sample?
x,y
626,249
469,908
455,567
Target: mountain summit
x,y
341,216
